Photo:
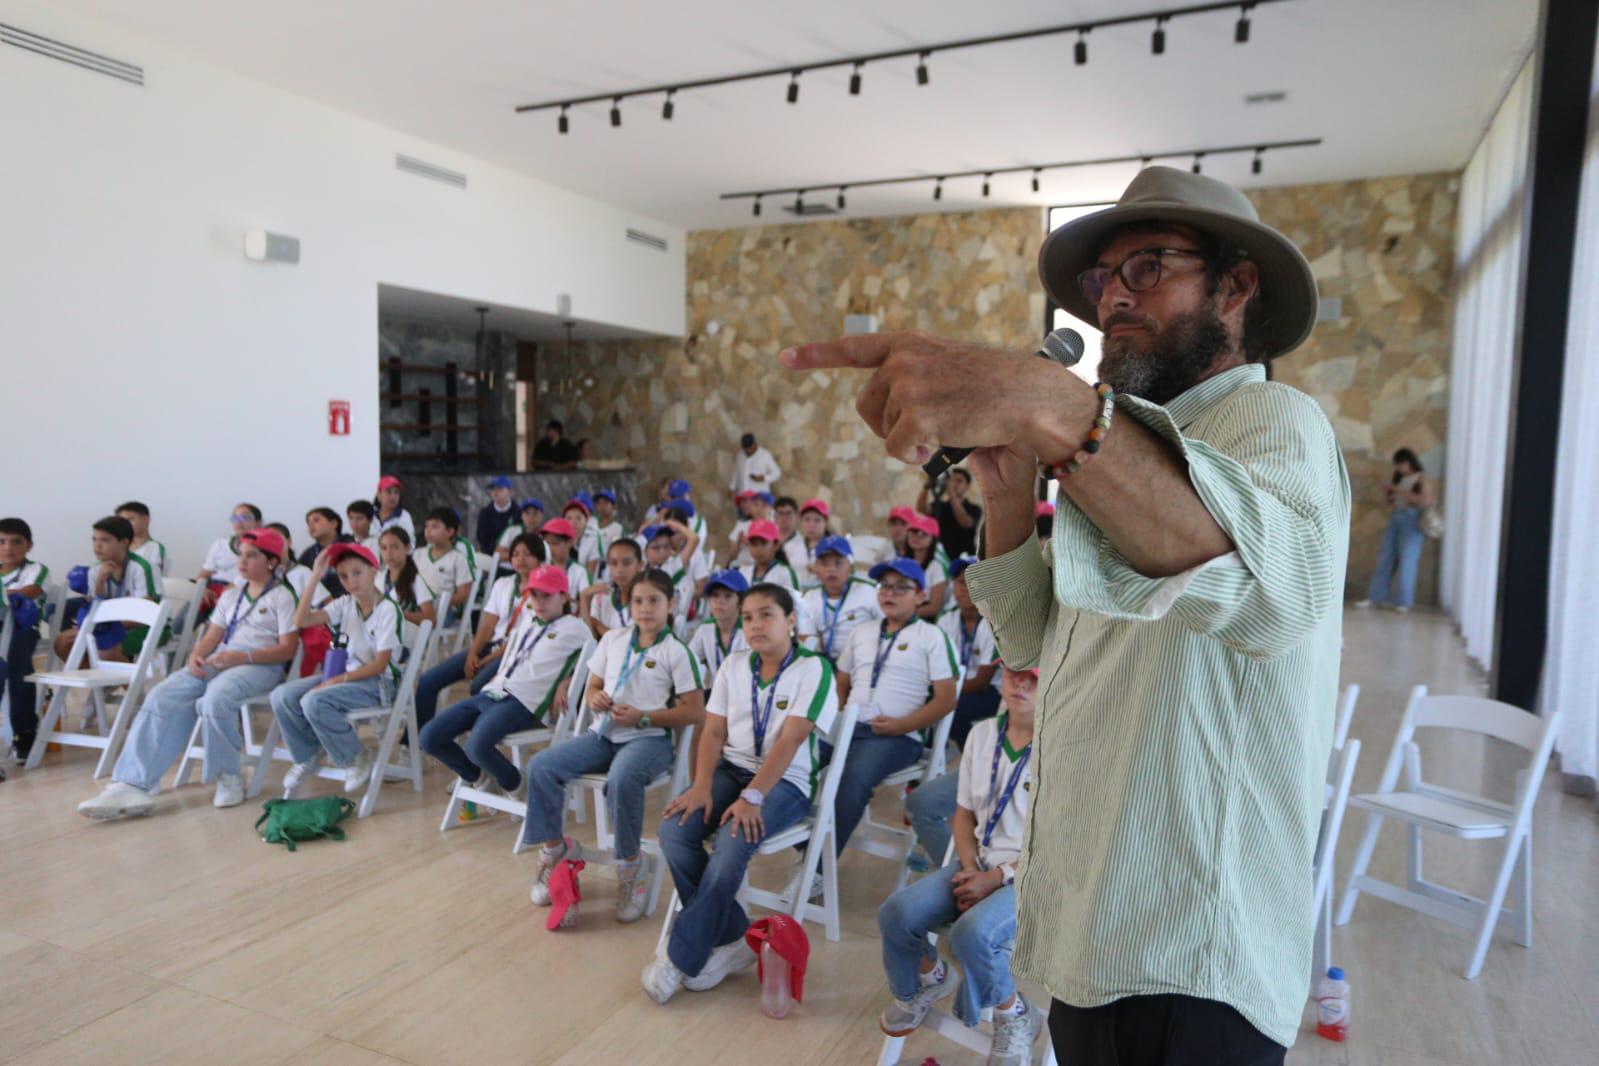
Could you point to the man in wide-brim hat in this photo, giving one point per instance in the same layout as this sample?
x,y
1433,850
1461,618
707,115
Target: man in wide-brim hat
x,y
1186,615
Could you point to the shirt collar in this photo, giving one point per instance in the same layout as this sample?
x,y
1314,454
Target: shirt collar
x,y
1193,403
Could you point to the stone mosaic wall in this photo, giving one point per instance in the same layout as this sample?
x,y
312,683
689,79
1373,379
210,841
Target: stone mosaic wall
x,y
1383,247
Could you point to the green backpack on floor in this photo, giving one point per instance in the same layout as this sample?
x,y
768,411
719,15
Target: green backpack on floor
x,y
291,820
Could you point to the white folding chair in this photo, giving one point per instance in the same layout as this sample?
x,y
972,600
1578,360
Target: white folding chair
x,y
947,1025
1340,775
453,639
1462,815
251,753
816,831
896,842
55,604
183,595
84,670
520,744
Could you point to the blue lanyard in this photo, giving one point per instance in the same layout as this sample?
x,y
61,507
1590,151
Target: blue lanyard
x,y
716,636
832,627
242,606
1010,786
524,650
763,718
882,656
620,608
630,663
967,643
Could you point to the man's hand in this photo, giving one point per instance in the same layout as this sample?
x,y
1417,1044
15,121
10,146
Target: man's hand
x,y
925,391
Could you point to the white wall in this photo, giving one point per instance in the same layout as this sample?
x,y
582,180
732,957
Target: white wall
x,y
145,357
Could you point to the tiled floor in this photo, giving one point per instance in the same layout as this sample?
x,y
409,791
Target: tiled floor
x,y
182,939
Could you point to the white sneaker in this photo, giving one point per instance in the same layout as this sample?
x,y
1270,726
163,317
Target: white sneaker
x,y
540,895
356,777
633,892
1401,610
818,886
298,775
117,801
1364,605
230,791
903,1017
725,961
1015,1030
662,979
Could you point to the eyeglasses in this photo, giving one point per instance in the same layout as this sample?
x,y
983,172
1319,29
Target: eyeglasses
x,y
240,519
896,588
1140,271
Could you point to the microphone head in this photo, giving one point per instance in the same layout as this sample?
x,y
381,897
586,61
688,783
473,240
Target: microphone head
x,y
1064,345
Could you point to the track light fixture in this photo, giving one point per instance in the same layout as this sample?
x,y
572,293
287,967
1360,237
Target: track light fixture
x,y
616,112
757,211
562,125
1241,31
799,202
666,108
1196,155
924,52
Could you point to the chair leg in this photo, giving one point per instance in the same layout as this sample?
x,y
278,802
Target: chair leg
x,y
258,769
113,744
414,748
1523,889
1321,945
657,880
1413,870
893,1048
380,765
186,764
47,725
666,924
451,810
1368,843
1490,910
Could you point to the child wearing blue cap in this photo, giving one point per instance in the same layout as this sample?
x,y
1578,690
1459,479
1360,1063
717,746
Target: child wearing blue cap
x,y
722,634
671,547
496,517
599,534
831,610
888,670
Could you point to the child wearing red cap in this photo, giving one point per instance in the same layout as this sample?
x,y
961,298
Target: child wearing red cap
x,y
311,711
753,507
560,536
240,656
814,516
386,504
757,769
976,892
921,544
643,682
762,541
899,519
221,566
541,651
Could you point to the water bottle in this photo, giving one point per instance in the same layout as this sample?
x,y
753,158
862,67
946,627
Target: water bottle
x,y
337,658
1332,1006
776,1000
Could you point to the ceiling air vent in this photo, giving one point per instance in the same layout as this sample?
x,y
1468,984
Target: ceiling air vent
x,y
423,169
1274,96
71,53
638,236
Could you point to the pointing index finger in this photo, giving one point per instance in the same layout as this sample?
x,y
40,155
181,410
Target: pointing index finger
x,y
863,351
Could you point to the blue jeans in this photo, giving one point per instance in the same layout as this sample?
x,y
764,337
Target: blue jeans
x,y
969,710
930,807
871,758
490,721
1401,548
24,702
981,941
629,768
160,731
451,670
708,885
316,721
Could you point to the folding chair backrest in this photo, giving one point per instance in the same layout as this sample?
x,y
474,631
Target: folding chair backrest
x,y
406,689
1346,715
182,594
843,730
1477,715
134,609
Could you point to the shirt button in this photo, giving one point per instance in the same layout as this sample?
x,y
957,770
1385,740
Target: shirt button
x,y
1027,786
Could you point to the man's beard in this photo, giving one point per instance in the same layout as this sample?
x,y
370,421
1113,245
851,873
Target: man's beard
x,y
1176,359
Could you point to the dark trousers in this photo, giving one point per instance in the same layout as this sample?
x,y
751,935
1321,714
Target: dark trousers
x,y
969,710
19,663
1167,1030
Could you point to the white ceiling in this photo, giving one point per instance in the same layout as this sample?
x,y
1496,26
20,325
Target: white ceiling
x,y
1394,86
445,310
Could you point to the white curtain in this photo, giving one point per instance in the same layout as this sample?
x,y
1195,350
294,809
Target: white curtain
x,y
1571,665
1488,252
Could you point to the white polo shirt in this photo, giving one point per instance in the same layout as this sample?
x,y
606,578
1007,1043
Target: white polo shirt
x,y
222,559
831,621
742,556
596,541
401,518
755,472
369,635
778,573
577,579
805,688
138,580
980,788
972,650
505,603
445,571
913,658
468,552
256,623
685,579
29,573
611,611
155,553
706,644
799,557
421,591
667,669
538,657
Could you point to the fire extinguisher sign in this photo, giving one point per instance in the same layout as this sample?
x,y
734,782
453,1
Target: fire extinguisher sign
x,y
338,418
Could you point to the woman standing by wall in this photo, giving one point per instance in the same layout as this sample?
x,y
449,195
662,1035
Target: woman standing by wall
x,y
1408,495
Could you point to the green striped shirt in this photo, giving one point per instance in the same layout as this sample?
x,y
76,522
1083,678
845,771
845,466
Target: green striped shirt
x,y
1184,722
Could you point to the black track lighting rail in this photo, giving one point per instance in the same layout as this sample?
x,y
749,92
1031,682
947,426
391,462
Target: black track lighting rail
x,y
922,52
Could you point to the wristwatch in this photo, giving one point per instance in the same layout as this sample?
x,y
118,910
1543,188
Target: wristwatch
x,y
1007,874
644,720
753,796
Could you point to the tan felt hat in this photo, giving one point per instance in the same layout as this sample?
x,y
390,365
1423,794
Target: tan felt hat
x,y
1166,194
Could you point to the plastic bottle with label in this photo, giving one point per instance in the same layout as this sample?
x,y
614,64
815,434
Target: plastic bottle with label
x,y
1332,1006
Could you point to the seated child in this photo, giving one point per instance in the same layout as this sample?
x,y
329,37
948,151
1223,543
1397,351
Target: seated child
x,y
606,605
762,541
311,711
756,772
542,651
975,892
559,536
722,634
831,610
21,579
241,655
600,534
363,516
154,552
221,566
117,573
387,510
643,683
442,565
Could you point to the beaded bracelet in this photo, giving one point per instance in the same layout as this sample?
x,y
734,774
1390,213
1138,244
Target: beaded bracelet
x,y
1096,436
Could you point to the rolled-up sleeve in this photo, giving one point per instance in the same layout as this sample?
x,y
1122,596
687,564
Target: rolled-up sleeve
x,y
1272,475
1013,592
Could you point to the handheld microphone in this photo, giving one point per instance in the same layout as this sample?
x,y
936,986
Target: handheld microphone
x,y
1064,346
